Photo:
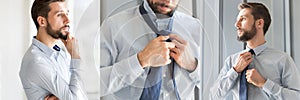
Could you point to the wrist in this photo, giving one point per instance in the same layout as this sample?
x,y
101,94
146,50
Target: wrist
x,y
262,83
237,69
141,60
193,65
75,56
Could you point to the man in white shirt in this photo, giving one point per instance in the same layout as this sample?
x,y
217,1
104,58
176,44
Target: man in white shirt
x,y
263,73
47,71
132,46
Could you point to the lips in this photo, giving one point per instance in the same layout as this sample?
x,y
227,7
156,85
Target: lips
x,y
164,8
66,28
239,30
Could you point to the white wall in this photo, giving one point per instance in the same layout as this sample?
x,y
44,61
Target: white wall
x,y
14,41
86,28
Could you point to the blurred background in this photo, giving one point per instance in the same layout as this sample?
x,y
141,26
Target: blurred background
x,y
219,38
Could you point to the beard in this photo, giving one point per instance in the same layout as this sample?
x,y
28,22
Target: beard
x,y
155,5
56,34
247,35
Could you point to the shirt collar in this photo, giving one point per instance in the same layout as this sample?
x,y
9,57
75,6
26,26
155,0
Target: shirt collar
x,y
149,11
153,17
258,49
48,51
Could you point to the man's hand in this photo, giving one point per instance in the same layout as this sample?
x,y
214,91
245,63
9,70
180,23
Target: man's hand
x,y
182,53
243,61
72,46
253,77
156,53
51,97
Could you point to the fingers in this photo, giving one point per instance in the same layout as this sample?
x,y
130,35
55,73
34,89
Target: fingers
x,y
178,39
162,38
169,45
255,78
243,61
246,56
69,38
51,97
47,97
250,74
156,53
178,44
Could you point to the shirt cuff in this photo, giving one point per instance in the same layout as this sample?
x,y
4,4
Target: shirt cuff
x,y
75,63
195,75
232,74
268,86
135,66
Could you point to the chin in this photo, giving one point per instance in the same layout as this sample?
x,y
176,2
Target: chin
x,y
240,34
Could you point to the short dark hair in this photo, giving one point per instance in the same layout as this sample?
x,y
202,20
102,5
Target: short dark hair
x,y
259,11
41,8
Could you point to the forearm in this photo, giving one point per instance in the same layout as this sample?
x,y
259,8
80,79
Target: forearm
x,y
76,89
280,92
224,83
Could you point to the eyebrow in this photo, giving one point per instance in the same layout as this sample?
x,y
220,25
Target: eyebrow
x,y
61,11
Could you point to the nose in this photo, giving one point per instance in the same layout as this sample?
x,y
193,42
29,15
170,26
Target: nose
x,y
168,1
237,24
66,18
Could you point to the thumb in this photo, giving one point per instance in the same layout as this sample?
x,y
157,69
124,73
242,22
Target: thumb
x,y
68,37
163,38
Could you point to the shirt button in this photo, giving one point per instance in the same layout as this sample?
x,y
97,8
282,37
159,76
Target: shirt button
x,y
166,95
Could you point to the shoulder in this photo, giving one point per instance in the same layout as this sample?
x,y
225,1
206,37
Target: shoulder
x,y
34,61
278,57
274,53
124,16
186,19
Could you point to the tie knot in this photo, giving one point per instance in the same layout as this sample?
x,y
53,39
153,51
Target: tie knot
x,y
252,51
164,32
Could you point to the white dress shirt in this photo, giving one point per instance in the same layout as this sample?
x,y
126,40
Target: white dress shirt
x,y
124,35
45,71
278,68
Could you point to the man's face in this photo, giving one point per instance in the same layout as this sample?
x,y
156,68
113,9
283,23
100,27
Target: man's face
x,y
245,25
57,21
163,6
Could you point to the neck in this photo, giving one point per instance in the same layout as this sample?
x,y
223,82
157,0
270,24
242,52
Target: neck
x,y
161,16
256,41
45,38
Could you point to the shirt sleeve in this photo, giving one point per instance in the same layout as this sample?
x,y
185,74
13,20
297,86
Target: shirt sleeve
x,y
195,75
225,81
50,80
290,82
115,75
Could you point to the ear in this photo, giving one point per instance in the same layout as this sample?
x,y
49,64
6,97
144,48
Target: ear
x,y
260,23
42,21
